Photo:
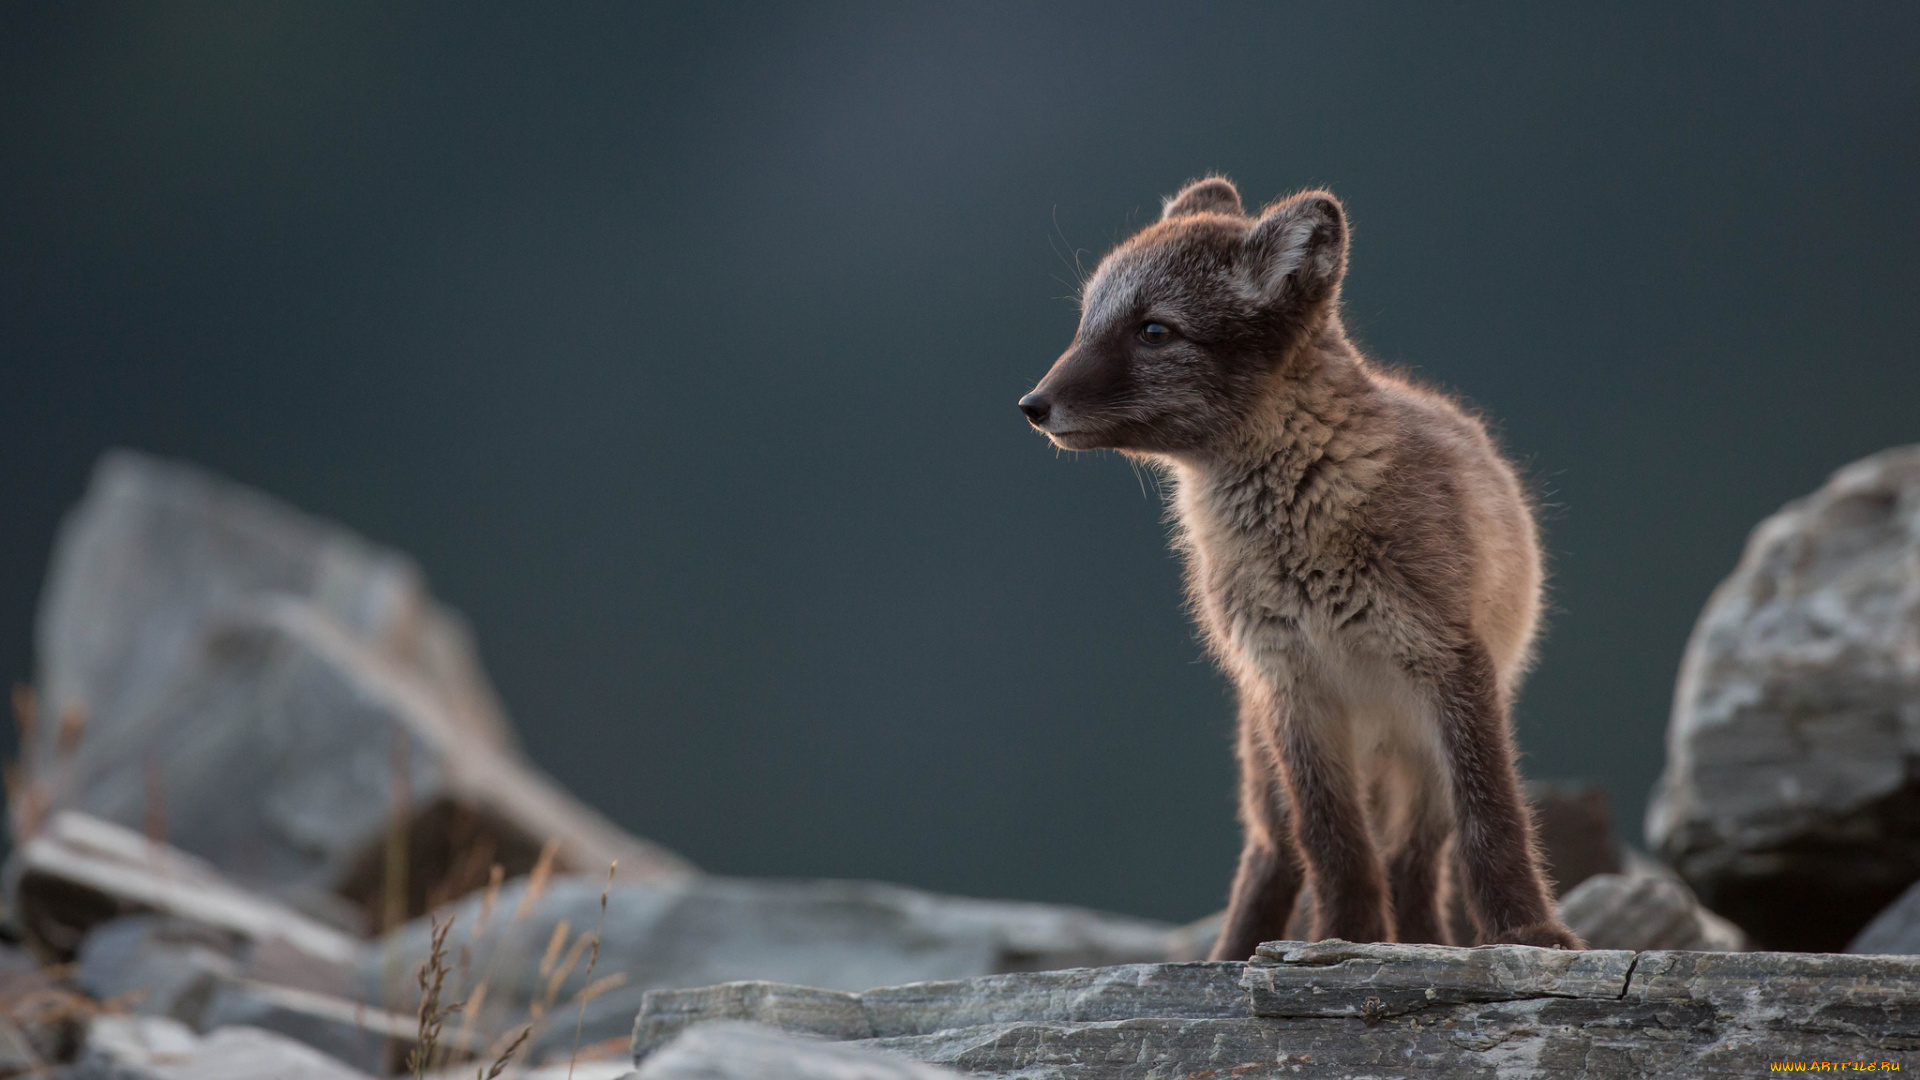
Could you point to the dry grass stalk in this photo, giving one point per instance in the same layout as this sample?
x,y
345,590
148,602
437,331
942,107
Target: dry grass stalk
x,y
433,1016
556,963
470,1013
23,706
537,881
554,945
591,960
619,1046
495,876
73,726
500,1060
600,986
560,974
28,803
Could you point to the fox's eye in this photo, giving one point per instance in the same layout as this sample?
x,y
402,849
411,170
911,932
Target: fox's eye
x,y
1156,333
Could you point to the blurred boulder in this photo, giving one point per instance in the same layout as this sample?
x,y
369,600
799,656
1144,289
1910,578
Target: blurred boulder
x,y
278,696
41,1015
154,965
611,1069
531,945
156,1048
1896,930
732,1050
1647,909
374,1040
16,1051
1790,802
79,871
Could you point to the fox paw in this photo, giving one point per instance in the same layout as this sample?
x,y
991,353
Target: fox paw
x,y
1551,934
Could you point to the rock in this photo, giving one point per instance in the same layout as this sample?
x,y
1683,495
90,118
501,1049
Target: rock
x,y
1645,910
156,1048
617,1067
366,1038
79,871
270,691
156,966
1789,803
204,978
1194,940
1895,930
581,1070
41,1014
17,1055
1202,990
1336,1009
1371,982
737,1051
838,935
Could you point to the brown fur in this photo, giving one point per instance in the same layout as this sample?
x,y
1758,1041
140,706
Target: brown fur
x,y
1361,560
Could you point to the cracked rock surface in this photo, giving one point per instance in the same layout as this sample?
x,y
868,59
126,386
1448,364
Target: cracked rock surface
x,y
1338,1009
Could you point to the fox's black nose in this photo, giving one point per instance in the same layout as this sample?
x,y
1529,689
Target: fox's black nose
x,y
1036,406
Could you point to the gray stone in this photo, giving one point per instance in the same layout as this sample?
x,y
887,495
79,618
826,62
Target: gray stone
x,y
41,1013
1081,995
202,977
258,684
156,1048
1895,930
1788,803
1646,908
1335,1009
836,935
562,1070
17,1054
738,1051
78,871
156,966
1338,978
369,1039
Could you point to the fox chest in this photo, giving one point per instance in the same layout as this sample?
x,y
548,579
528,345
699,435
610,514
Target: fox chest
x,y
1276,566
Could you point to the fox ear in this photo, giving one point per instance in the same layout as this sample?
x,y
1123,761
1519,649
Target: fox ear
x,y
1213,195
1298,250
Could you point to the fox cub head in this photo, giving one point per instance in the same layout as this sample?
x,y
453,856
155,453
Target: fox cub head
x,y
1185,325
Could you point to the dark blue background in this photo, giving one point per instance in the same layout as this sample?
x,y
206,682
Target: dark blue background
x,y
681,347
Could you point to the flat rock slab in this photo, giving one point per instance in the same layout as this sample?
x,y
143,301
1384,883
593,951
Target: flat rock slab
x,y
1336,1009
156,1048
1079,996
736,1051
831,935
1338,978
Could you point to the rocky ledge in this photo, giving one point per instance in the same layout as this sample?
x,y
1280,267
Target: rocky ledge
x,y
1338,1009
